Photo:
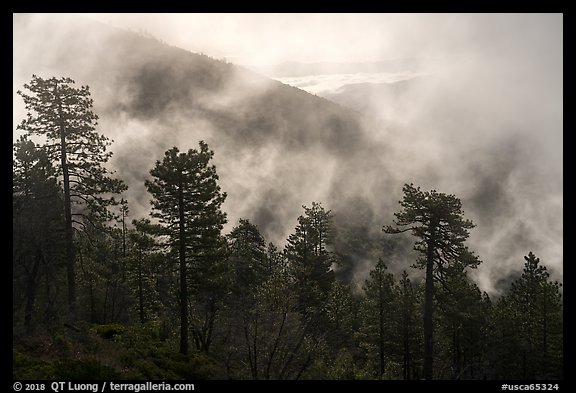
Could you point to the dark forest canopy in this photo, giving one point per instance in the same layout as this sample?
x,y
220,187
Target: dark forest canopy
x,y
251,309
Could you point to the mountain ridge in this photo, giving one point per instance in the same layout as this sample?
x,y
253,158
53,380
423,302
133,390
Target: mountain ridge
x,y
151,96
296,68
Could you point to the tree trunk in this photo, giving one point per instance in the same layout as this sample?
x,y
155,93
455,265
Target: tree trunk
x,y
93,316
209,326
294,351
381,325
140,291
544,366
256,347
428,297
275,346
249,348
183,283
406,357
31,289
105,308
457,353
69,235
123,231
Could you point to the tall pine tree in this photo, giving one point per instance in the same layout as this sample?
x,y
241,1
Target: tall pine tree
x,y
532,314
37,232
408,327
186,201
310,258
62,115
436,219
248,259
378,317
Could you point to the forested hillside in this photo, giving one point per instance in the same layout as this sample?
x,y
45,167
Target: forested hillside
x,y
180,217
98,296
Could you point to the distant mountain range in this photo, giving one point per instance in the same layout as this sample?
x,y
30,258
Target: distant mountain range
x,y
372,88
294,68
374,98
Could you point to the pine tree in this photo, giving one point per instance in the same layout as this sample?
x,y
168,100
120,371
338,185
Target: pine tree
x,y
436,219
248,258
250,269
310,258
62,115
534,308
187,201
37,231
378,317
408,327
340,311
101,276
285,347
463,312
143,267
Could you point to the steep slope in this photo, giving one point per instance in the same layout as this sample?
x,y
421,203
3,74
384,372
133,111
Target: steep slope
x,y
277,147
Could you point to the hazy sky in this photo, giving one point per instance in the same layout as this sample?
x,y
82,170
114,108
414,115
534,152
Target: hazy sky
x,y
259,39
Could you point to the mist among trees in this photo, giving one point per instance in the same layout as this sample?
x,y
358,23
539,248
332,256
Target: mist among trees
x,y
100,294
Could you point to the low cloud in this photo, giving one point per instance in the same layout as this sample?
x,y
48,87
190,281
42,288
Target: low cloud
x,y
484,122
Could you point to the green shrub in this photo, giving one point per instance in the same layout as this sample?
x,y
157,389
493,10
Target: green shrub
x,y
28,368
109,331
83,369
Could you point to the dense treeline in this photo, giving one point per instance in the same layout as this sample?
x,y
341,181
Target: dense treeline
x,y
99,295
